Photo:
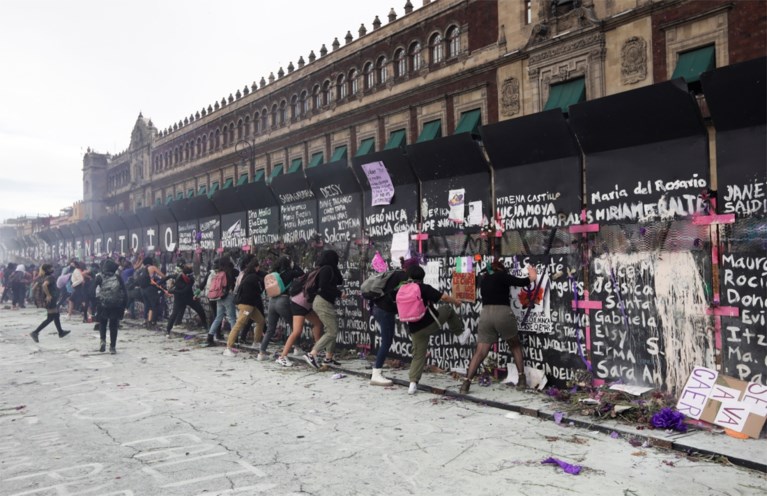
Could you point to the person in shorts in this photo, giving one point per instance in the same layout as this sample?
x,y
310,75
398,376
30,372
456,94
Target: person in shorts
x,y
496,320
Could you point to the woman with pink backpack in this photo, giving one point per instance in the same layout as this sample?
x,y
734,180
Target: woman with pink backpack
x,y
415,306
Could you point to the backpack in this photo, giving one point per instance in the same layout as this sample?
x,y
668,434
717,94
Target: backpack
x,y
373,287
305,286
274,284
62,280
111,294
218,286
410,305
142,278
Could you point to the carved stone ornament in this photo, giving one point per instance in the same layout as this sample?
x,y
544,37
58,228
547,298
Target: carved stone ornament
x,y
634,60
510,97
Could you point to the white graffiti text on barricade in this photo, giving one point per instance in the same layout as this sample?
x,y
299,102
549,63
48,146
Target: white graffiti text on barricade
x,y
259,226
208,232
387,222
652,201
298,222
185,460
334,210
533,211
745,199
744,282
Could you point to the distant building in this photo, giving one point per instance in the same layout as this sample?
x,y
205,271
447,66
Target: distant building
x,y
448,65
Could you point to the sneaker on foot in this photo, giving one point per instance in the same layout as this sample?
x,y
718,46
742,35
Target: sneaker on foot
x,y
297,351
112,350
167,335
284,361
331,361
230,352
262,357
464,337
63,333
413,388
33,335
103,346
522,383
311,360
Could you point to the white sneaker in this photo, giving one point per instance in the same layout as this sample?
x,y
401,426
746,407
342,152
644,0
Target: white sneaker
x,y
262,357
284,361
230,352
413,388
464,337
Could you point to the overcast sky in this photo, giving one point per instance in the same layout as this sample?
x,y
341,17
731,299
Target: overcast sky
x,y
76,74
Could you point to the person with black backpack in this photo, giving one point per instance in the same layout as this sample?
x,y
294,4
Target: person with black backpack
x,y
111,299
150,290
183,296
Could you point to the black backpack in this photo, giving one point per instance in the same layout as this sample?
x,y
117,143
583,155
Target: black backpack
x,y
111,294
306,283
142,278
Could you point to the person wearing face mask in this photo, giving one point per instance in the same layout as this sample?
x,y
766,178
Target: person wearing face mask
x,y
51,303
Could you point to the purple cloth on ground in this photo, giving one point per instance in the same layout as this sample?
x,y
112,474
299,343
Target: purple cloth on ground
x,y
570,469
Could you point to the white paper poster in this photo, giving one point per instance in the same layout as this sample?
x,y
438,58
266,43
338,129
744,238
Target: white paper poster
x,y
400,247
432,274
457,207
475,213
381,186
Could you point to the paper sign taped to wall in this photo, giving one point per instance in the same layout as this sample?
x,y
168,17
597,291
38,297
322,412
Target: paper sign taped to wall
x,y
465,286
724,401
475,213
455,201
432,274
400,247
381,186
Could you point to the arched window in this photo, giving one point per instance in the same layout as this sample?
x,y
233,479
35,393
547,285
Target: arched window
x,y
247,125
186,151
400,63
257,128
453,41
327,94
204,144
382,68
353,82
199,147
437,50
274,115
370,76
218,139
264,119
294,107
166,163
341,86
175,156
316,97
239,129
283,112
225,137
415,56
231,134
304,103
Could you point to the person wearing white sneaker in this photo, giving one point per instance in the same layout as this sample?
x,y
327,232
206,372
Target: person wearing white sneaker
x,y
284,361
230,352
329,279
496,319
431,323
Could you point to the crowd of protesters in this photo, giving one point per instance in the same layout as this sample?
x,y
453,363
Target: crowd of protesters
x,y
235,292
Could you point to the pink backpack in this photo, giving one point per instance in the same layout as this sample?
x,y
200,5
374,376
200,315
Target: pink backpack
x,y
218,286
410,306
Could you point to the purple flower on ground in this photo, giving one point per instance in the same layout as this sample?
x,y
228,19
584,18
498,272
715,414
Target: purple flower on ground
x,y
668,418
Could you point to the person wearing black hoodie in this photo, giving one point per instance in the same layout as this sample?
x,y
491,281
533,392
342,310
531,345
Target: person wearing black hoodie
x,y
51,293
250,306
328,281
183,296
110,309
279,306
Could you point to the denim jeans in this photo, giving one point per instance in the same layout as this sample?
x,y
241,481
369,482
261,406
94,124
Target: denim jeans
x,y
279,306
224,306
386,322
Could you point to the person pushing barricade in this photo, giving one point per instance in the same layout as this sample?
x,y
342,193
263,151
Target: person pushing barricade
x,y
111,299
183,296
